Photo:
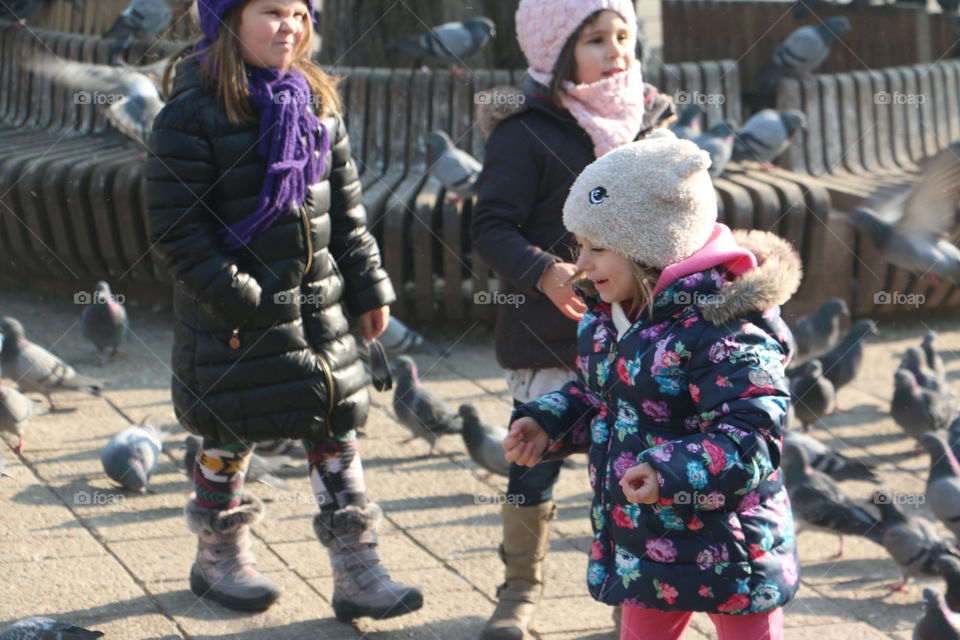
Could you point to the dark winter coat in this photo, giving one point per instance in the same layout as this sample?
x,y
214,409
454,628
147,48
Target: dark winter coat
x,y
294,372
531,160
699,393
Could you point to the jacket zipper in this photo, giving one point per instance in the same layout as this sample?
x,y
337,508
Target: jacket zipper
x,y
611,424
308,237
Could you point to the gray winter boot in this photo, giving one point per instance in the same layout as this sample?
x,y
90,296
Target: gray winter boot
x,y
361,585
224,569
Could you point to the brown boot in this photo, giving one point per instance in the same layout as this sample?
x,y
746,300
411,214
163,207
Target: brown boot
x,y
526,536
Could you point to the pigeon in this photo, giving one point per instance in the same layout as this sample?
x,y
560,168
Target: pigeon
x,y
135,90
34,368
811,394
932,359
38,628
950,570
819,331
915,409
915,362
687,125
483,441
943,482
819,503
456,169
3,468
913,543
130,457
803,51
450,42
718,142
418,409
259,468
937,621
843,362
16,411
141,19
766,135
834,464
291,451
104,323
399,339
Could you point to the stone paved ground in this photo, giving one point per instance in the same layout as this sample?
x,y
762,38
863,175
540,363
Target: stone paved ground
x,y
73,547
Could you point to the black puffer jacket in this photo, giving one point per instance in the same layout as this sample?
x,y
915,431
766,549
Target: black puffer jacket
x,y
295,373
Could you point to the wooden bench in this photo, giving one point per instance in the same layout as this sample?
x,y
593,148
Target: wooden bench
x,y
866,133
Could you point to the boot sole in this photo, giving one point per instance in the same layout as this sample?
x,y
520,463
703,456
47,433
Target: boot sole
x,y
347,611
201,588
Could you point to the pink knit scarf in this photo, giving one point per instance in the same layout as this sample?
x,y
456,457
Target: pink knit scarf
x,y
610,110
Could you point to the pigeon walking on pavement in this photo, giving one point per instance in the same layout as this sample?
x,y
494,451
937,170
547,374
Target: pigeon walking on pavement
x,y
804,50
842,363
34,368
130,457
483,441
16,411
104,323
812,394
456,169
38,628
943,483
141,19
937,622
932,358
915,409
819,504
915,362
419,409
450,42
950,570
766,135
834,464
819,331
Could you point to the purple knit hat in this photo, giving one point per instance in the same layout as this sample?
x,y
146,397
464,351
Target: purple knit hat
x,y
211,15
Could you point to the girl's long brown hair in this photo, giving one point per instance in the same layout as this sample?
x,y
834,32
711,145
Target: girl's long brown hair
x,y
223,67
566,62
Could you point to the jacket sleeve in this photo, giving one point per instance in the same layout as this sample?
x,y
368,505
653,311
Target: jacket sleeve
x,y
353,247
566,415
736,378
180,173
507,191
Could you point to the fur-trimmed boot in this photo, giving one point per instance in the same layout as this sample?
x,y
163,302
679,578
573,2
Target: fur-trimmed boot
x,y
526,537
224,569
361,585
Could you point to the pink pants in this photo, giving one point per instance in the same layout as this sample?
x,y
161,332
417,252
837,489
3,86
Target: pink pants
x,y
653,624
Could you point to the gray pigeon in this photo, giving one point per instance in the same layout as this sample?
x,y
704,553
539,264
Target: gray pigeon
x,y
483,441
916,363
811,394
35,369
766,135
104,323
450,42
16,411
399,339
141,19
259,469
819,331
456,169
937,622
915,409
3,468
718,142
843,362
834,464
130,457
418,409
38,628
950,570
913,543
933,360
136,90
943,483
688,125
803,51
819,504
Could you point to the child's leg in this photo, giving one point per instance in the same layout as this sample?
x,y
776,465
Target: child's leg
x,y
652,624
336,474
218,474
765,625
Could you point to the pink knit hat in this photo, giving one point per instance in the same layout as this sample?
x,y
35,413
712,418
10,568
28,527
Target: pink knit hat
x,y
544,26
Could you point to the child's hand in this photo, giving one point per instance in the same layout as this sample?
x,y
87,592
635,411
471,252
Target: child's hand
x,y
640,484
373,322
525,443
569,303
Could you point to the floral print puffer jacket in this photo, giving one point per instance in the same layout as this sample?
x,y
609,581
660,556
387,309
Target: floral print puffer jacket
x,y
698,392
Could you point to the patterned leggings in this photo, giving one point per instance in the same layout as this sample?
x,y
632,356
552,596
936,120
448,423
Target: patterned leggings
x,y
336,475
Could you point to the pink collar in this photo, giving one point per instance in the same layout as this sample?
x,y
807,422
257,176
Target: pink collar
x,y
720,249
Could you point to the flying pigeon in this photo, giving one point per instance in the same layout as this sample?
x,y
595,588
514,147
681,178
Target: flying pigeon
x,y
687,125
450,42
418,409
34,368
104,323
820,330
141,19
819,503
130,457
259,468
766,135
16,411
803,51
38,628
943,482
718,142
456,169
483,441
834,464
915,409
811,394
937,622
